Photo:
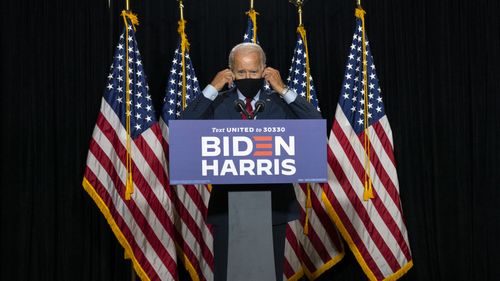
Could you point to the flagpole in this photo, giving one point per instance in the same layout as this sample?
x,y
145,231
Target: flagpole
x,y
184,46
298,4
253,17
181,9
302,31
300,13
132,270
368,185
299,7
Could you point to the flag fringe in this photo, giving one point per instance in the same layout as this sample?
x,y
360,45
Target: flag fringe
x,y
402,271
325,267
345,234
187,264
314,275
296,276
114,227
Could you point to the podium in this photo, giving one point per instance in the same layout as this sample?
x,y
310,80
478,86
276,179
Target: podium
x,y
239,152
250,246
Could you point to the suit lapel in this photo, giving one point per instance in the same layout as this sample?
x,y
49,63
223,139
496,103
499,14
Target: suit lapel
x,y
232,113
265,96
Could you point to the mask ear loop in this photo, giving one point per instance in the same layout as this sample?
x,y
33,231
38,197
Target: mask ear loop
x,y
232,85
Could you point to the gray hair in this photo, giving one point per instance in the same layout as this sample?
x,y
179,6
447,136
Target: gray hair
x,y
247,48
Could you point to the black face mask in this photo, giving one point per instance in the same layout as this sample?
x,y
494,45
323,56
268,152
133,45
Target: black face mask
x,y
249,87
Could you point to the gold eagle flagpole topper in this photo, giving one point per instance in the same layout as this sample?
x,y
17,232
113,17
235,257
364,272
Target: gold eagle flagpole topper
x,y
299,4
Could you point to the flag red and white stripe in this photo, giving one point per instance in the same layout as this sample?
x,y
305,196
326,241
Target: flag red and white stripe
x,y
313,253
127,144
360,152
374,229
143,224
195,242
360,147
319,250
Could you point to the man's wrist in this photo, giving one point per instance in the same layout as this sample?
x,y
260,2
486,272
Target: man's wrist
x,y
210,92
289,95
284,91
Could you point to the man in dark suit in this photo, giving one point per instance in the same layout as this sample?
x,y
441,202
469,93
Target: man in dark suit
x,y
245,76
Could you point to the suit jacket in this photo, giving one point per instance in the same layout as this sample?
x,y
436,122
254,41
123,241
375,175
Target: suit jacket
x,y
284,203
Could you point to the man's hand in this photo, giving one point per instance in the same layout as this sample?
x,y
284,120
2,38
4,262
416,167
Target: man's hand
x,y
273,77
222,78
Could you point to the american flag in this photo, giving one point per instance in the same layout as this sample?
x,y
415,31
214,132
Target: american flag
x,y
195,239
374,229
144,224
248,37
297,73
321,248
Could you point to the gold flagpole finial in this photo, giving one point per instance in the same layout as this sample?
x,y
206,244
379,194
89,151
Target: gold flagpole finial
x,y
127,5
358,2
251,4
298,4
181,8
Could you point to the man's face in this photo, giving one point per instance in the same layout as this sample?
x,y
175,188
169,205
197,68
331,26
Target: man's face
x,y
247,65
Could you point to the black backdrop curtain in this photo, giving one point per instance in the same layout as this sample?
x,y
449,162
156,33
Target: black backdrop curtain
x,y
438,66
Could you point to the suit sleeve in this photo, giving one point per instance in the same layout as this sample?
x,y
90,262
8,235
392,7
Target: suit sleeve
x,y
303,109
199,108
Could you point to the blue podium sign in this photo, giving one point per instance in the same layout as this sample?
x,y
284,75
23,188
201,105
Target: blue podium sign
x,y
244,151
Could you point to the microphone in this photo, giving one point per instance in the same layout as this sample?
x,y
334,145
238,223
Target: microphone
x,y
259,107
239,105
